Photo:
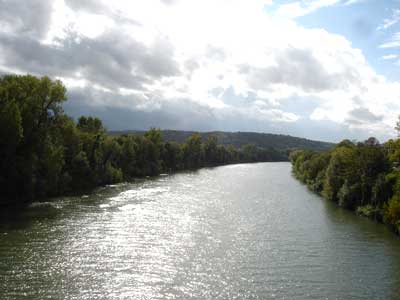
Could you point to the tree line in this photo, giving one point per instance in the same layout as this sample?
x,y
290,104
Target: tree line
x,y
363,177
280,142
45,153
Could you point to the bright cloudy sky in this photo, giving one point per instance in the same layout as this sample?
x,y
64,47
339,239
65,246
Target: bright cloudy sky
x,y
321,69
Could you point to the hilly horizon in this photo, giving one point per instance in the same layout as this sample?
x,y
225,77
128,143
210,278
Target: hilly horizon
x,y
281,142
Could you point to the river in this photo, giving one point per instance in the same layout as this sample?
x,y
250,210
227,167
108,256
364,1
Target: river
x,y
248,231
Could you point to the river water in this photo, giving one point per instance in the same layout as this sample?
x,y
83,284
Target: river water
x,y
247,231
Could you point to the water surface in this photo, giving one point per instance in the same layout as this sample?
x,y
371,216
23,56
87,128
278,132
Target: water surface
x,y
246,231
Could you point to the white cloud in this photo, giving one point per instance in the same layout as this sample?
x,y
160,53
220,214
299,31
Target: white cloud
x,y
389,22
351,2
393,43
302,8
390,56
159,55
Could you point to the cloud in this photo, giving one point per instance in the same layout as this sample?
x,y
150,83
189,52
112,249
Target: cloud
x,y
302,8
299,68
169,2
28,18
192,65
113,60
362,115
393,43
138,112
389,22
92,6
351,2
100,8
390,56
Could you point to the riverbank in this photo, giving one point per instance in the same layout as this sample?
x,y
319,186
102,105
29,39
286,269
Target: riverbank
x,y
44,153
360,177
18,205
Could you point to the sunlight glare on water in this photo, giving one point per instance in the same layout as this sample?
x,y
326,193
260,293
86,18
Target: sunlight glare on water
x,y
236,232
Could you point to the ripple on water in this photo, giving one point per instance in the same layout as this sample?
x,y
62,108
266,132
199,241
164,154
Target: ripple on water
x,y
236,232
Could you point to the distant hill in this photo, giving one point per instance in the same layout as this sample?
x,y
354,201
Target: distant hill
x,y
238,139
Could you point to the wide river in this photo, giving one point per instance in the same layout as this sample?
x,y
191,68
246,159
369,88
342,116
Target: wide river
x,y
247,231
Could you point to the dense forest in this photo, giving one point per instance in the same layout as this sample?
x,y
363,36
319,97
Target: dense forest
x,y
363,177
44,153
279,142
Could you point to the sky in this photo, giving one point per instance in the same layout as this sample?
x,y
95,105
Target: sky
x,y
319,69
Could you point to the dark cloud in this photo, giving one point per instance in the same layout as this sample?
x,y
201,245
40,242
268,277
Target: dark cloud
x,y
112,60
30,18
361,115
299,68
116,59
184,114
92,6
158,61
96,7
137,112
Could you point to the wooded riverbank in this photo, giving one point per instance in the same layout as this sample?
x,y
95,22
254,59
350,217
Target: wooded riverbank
x,y
45,153
362,177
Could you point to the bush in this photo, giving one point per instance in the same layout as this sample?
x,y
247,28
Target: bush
x,y
370,212
392,212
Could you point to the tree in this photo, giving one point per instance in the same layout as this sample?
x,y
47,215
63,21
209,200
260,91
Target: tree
x,y
154,149
45,153
193,152
91,125
30,108
172,156
211,150
249,152
392,212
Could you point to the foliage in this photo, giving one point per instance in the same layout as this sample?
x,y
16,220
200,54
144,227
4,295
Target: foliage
x,y
363,177
45,153
370,211
392,212
281,143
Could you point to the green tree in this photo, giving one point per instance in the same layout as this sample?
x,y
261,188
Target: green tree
x,y
192,152
392,212
172,156
211,151
30,107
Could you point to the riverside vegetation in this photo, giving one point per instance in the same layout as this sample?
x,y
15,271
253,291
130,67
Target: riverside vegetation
x,y
363,177
284,143
44,153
